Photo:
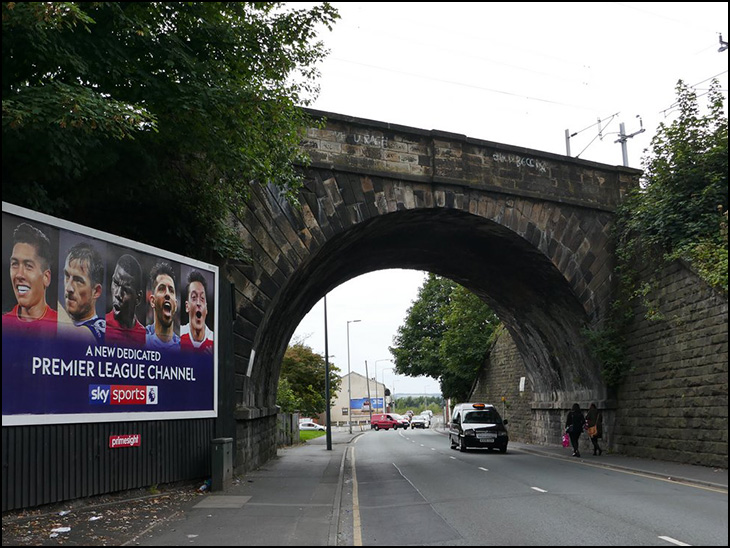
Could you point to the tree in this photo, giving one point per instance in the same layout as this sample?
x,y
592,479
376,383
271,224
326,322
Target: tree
x,y
302,381
678,212
286,399
446,335
153,119
416,345
418,403
681,207
471,327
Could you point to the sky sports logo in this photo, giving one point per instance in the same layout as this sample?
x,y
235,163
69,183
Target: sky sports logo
x,y
105,394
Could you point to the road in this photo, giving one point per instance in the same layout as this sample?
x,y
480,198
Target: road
x,y
409,487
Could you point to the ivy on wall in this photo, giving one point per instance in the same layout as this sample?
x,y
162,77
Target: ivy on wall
x,y
679,212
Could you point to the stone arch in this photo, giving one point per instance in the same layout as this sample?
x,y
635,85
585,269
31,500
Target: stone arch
x,y
528,231
543,266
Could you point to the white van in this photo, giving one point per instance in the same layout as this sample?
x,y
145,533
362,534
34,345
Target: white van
x,y
477,425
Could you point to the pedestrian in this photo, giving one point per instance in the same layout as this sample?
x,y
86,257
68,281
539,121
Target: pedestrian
x,y
594,422
574,426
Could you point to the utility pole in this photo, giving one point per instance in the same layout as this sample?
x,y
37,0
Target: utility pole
x,y
622,138
569,135
328,416
367,380
349,379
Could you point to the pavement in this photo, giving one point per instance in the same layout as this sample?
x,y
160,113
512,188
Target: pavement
x,y
302,497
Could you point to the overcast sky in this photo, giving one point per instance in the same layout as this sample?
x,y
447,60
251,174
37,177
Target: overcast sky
x,y
517,73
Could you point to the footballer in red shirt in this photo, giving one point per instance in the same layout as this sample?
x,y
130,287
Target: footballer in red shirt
x,y
122,326
196,335
30,276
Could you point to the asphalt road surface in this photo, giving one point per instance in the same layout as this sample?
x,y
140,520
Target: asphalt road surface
x,y
409,487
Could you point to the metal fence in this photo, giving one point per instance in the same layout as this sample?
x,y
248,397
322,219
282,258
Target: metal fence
x,y
52,463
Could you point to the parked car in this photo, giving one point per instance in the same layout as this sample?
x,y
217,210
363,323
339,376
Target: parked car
x,y
385,421
477,425
309,425
420,421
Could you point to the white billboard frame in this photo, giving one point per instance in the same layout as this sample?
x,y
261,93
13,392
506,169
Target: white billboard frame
x,y
122,416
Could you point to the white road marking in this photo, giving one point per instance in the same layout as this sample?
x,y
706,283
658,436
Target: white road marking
x,y
480,468
641,475
538,489
674,541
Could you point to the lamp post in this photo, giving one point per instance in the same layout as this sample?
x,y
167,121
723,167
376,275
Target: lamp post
x,y
376,381
328,417
349,380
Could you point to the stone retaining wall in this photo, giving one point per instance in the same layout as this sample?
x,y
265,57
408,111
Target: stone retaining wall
x,y
499,384
674,404
530,421
257,434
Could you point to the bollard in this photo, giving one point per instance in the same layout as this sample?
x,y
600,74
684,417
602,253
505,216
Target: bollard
x,y
222,463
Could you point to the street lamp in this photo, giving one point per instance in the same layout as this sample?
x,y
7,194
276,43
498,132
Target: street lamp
x,y
376,381
349,380
328,417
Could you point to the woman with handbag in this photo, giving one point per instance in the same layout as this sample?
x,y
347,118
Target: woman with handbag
x,y
574,426
594,422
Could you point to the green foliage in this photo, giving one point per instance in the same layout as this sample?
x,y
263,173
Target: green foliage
x,y
152,119
679,212
681,207
446,335
416,345
286,399
708,258
607,345
306,435
302,382
418,404
470,330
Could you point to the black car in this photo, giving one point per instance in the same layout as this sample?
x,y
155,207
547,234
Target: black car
x,y
477,425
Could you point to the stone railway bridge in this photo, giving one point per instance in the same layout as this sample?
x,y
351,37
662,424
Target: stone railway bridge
x,y
527,231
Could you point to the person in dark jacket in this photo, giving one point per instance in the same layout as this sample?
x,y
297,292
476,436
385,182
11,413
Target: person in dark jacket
x,y
574,426
594,418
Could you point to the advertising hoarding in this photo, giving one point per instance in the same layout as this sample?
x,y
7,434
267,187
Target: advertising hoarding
x,y
99,328
363,406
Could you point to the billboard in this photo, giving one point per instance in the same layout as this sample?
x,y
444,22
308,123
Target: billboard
x,y
98,328
363,406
